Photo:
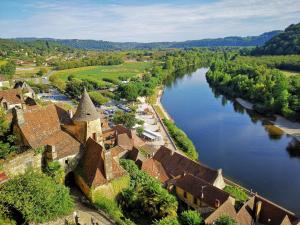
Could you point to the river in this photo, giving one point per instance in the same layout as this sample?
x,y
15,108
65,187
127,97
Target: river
x,y
250,152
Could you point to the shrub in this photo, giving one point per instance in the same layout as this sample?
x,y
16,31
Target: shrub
x,y
146,196
190,217
36,196
166,221
236,192
225,220
181,139
98,98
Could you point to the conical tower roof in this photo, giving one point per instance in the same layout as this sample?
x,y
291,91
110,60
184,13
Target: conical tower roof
x,y
86,110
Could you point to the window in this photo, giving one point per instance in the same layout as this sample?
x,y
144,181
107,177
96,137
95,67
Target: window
x,y
184,195
94,136
195,200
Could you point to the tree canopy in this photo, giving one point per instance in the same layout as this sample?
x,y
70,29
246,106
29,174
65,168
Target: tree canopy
x,y
36,196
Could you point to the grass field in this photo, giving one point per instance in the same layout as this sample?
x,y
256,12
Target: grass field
x,y
290,73
128,69
28,71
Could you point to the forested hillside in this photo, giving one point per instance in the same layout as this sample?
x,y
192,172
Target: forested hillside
x,y
10,48
285,43
107,45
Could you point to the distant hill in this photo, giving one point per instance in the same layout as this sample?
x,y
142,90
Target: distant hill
x,y
107,45
285,43
10,47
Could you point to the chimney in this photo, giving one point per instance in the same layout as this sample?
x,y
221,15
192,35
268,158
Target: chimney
x,y
219,172
51,152
217,203
70,112
108,165
258,207
18,116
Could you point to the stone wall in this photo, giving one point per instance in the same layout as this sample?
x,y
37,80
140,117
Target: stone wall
x,y
21,162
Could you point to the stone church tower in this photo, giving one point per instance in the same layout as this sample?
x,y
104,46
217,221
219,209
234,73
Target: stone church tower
x,y
87,119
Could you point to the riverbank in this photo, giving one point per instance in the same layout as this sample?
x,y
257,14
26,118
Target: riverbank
x,y
287,126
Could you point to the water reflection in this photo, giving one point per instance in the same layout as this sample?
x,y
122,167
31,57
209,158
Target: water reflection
x,y
244,143
293,148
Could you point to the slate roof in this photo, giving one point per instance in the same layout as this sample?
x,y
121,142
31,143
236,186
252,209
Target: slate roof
x,y
92,165
176,164
86,110
12,96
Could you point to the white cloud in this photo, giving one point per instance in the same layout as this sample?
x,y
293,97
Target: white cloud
x,y
156,22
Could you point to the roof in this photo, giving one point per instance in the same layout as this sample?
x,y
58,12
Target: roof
x,y
92,165
86,110
12,96
155,169
245,213
23,85
3,177
273,214
177,164
193,185
124,141
225,209
42,127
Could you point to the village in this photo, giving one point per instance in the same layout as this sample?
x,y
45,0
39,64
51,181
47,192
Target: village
x,y
89,147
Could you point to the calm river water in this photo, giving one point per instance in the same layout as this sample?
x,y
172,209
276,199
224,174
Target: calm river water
x,y
250,152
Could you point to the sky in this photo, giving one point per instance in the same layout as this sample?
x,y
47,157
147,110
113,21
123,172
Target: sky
x,y
144,21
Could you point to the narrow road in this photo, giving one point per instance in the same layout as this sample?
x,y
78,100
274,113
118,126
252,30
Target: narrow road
x,y
86,212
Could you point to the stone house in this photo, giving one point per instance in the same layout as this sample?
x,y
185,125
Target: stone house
x,y
11,98
26,89
168,164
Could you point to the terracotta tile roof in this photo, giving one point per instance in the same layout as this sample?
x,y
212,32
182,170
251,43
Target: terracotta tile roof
x,y
274,213
124,141
12,96
42,127
3,177
155,169
177,164
116,150
194,185
65,145
92,165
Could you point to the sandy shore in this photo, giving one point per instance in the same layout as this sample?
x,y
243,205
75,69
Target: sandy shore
x,y
287,126
158,103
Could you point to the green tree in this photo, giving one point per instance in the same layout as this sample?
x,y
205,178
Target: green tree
x,y
225,220
167,221
190,217
36,196
127,119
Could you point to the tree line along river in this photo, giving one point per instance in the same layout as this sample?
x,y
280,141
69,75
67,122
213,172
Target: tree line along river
x,y
250,151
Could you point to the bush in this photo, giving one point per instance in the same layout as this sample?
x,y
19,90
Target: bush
x,y
98,98
238,193
167,221
146,196
181,140
190,217
36,196
225,220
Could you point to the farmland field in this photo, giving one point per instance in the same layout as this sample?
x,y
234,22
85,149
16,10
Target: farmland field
x,y
128,69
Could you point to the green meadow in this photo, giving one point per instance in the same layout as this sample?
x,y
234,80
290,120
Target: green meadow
x,y
128,69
